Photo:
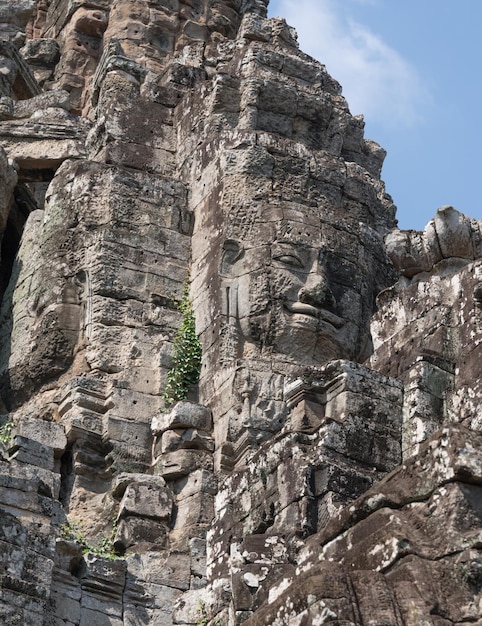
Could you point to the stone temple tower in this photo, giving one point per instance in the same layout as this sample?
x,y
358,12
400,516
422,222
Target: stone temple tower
x,y
166,163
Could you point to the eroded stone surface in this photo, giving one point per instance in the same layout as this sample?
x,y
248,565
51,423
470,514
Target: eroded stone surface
x,y
382,546
326,468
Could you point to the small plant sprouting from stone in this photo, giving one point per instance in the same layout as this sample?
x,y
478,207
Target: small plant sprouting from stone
x,y
202,613
471,573
6,432
186,362
105,548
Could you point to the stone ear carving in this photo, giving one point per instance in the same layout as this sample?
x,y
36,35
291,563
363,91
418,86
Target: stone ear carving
x,y
232,252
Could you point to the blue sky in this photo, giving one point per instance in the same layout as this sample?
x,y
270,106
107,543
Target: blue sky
x,y
412,67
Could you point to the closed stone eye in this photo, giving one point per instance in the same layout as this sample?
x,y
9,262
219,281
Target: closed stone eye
x,y
289,259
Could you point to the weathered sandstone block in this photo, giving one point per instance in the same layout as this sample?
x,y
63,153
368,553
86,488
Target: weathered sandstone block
x,y
326,466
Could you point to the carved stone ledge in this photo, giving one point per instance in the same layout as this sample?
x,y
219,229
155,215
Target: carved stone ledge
x,y
24,86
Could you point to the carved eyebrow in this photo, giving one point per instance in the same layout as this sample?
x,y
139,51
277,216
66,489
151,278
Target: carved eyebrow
x,y
292,243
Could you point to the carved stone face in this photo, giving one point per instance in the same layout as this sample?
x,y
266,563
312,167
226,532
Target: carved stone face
x,y
302,297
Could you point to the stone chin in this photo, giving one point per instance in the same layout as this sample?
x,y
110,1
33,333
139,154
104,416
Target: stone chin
x,y
308,347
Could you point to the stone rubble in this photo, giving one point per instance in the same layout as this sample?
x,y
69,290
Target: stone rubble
x,y
326,468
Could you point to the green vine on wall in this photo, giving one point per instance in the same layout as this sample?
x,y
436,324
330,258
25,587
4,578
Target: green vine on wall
x,y
105,548
186,362
6,432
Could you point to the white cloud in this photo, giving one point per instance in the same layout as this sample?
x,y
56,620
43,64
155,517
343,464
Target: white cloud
x,y
368,2
377,81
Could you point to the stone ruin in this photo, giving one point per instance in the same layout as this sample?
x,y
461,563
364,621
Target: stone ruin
x,y
326,467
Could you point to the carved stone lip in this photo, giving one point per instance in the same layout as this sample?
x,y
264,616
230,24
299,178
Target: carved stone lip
x,y
319,314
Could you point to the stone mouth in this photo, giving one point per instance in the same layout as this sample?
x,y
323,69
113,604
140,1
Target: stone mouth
x,y
302,308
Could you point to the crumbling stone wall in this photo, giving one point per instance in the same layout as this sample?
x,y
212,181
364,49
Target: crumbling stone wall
x,y
326,467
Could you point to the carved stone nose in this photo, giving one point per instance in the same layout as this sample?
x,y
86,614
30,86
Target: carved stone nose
x,y
317,292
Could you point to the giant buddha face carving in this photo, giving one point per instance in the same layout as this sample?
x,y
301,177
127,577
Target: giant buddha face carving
x,y
307,309
308,294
